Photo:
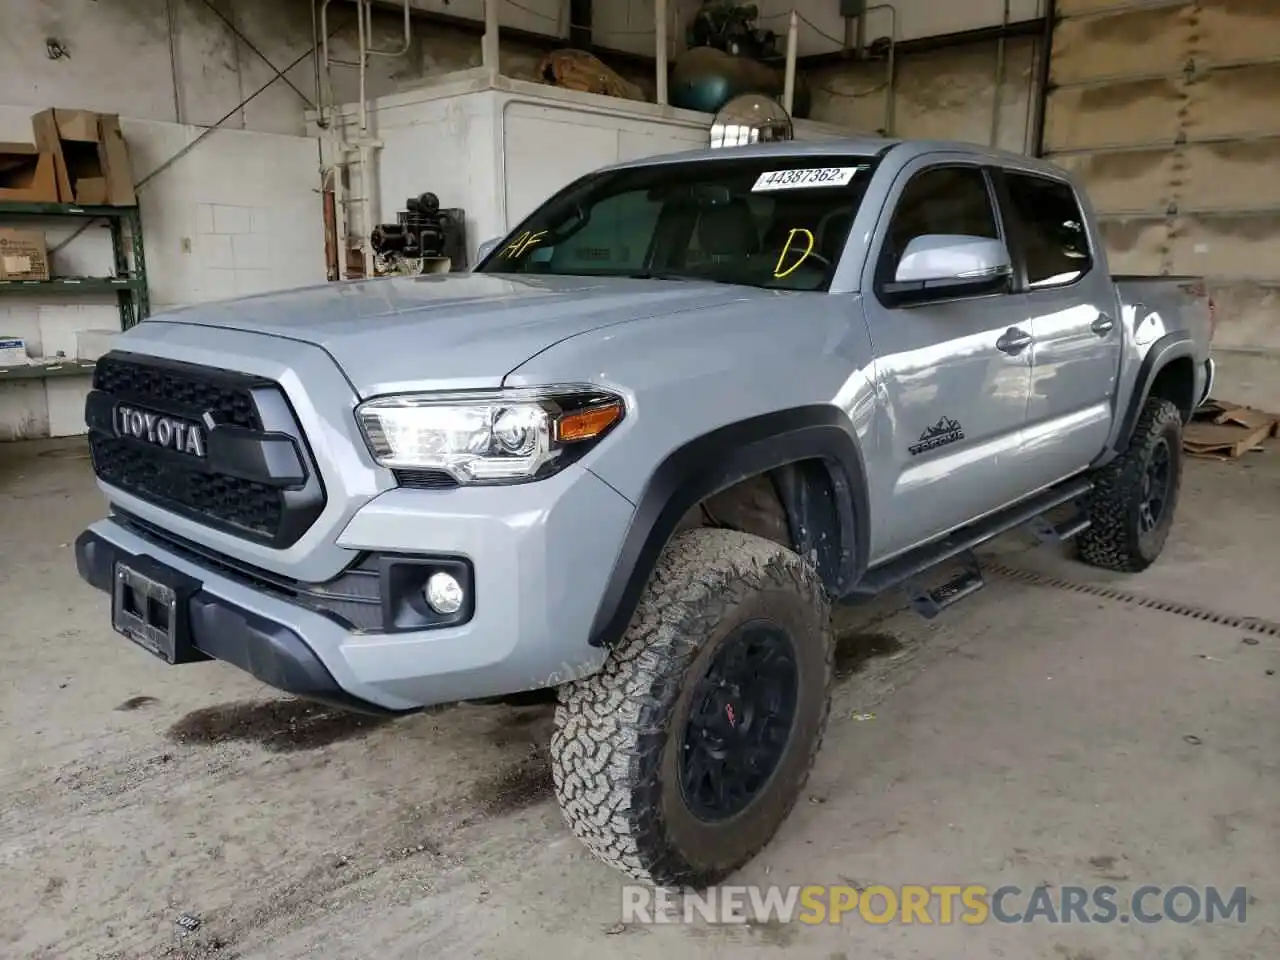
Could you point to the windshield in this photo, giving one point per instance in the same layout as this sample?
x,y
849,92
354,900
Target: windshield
x,y
771,222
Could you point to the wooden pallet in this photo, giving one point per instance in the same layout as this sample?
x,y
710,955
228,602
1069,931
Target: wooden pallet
x,y
1225,431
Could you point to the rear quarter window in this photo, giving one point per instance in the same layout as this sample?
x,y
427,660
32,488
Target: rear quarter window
x,y
1051,230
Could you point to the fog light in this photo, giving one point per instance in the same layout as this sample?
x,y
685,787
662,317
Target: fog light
x,y
443,594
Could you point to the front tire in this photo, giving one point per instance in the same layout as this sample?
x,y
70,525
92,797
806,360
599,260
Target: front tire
x,y
679,760
1135,496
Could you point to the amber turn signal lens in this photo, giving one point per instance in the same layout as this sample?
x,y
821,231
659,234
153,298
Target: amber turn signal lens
x,y
589,423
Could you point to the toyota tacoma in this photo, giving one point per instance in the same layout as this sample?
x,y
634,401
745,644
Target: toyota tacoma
x,y
637,452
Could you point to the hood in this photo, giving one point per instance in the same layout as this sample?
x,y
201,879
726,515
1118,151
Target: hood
x,y
458,331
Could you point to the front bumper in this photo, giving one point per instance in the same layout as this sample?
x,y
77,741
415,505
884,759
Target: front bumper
x,y
273,652
540,554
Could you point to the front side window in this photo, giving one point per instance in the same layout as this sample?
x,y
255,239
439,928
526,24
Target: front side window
x,y
941,200
1051,227
777,223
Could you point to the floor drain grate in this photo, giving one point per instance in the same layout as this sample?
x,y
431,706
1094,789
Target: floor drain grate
x,y
1191,611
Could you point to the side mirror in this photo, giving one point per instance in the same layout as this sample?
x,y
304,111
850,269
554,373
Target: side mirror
x,y
941,265
487,248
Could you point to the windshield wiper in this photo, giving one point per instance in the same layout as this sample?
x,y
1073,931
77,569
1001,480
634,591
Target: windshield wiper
x,y
684,277
652,275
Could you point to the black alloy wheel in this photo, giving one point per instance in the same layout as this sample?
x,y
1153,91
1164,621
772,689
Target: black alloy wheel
x,y
1156,481
740,719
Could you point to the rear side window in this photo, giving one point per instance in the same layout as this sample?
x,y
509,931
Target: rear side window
x,y
1051,227
952,200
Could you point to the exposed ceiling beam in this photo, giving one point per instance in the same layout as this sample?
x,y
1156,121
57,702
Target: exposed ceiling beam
x,y
943,41
539,41
1034,27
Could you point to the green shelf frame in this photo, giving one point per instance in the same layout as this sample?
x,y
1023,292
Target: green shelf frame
x,y
48,370
64,209
69,285
129,284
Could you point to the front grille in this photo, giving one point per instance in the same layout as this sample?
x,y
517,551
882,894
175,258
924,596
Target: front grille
x,y
425,479
255,478
180,386
230,501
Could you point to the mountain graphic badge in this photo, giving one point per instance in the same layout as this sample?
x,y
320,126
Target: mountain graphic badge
x,y
937,435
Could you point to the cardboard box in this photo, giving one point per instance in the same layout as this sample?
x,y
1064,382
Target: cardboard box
x,y
89,189
23,255
91,160
77,125
26,174
45,128
116,154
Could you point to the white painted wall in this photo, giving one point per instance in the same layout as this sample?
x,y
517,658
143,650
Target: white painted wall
x,y
439,138
121,58
237,215
583,136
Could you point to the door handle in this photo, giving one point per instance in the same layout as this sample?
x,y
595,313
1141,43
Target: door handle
x,y
1102,326
1013,341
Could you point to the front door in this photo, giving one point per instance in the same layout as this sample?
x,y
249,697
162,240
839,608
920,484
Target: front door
x,y
1071,307
952,403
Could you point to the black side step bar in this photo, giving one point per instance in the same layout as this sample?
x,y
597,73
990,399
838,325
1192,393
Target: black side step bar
x,y
931,601
910,565
1048,532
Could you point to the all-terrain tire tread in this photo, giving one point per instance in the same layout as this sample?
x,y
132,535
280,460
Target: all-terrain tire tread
x,y
613,724
1111,539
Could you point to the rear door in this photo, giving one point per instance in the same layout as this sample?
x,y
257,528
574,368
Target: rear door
x,y
1071,307
952,403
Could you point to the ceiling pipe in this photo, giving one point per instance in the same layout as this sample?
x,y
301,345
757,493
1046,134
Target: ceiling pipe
x,y
408,33
660,50
1000,73
789,77
1042,80
489,57
891,68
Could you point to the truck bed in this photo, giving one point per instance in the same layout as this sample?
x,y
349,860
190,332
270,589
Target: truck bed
x,y
1170,302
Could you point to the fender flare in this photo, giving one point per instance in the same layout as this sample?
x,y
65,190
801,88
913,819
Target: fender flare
x,y
716,461
1170,347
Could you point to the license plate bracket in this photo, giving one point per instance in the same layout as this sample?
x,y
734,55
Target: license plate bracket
x,y
150,605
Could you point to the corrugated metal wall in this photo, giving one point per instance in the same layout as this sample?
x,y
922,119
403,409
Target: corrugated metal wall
x,y
1171,113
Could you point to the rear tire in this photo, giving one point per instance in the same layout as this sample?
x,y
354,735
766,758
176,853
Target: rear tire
x,y
1135,496
679,760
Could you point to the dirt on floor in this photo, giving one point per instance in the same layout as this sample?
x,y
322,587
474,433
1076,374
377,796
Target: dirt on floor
x,y
1071,734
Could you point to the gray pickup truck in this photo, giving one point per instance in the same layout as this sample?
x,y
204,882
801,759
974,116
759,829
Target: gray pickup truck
x,y
686,405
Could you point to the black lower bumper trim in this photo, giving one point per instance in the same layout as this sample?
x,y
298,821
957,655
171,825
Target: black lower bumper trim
x,y
270,651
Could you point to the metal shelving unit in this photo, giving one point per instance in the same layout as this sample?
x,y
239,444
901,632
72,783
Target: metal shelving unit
x,y
129,283
48,370
71,285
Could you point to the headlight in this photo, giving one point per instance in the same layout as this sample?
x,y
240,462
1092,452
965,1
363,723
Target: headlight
x,y
490,437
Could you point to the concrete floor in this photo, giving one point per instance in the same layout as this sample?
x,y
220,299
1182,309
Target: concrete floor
x,y
1031,735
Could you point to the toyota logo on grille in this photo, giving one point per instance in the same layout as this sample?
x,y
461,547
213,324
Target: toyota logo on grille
x,y
171,433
